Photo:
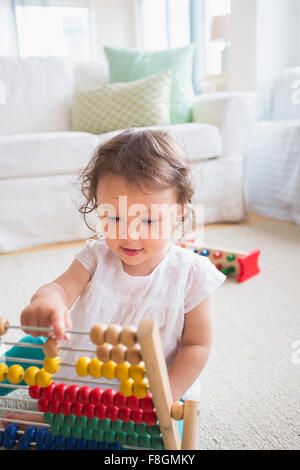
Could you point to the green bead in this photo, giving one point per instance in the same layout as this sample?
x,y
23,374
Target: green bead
x,y
227,271
88,434
77,432
66,431
81,421
55,429
49,418
110,436
157,443
128,427
231,258
71,420
93,423
141,429
154,431
59,419
121,438
117,426
145,441
133,439
98,435
104,424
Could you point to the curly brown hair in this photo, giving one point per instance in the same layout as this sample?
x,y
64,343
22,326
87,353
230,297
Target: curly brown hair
x,y
145,158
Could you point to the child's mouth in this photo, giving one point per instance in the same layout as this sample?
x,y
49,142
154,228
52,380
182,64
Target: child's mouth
x,y
131,252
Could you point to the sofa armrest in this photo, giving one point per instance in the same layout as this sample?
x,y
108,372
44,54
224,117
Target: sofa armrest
x,y
235,113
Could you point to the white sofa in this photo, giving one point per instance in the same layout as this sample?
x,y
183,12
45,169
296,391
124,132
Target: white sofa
x,y
40,156
272,158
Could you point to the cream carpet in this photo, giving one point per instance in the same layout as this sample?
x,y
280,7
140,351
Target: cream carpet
x,y
251,387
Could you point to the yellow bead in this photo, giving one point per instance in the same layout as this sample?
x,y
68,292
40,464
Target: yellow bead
x,y
15,374
95,368
30,375
52,364
137,373
126,387
3,372
122,371
43,378
109,369
140,389
82,366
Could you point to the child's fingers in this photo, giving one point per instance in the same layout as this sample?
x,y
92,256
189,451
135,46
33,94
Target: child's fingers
x,y
58,324
68,323
27,320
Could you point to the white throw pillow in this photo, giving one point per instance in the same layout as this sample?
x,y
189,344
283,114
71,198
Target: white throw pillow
x,y
39,92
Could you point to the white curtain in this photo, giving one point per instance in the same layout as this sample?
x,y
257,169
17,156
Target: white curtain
x,y
8,37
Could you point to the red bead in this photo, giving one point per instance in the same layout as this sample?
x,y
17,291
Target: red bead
x,y
101,411
108,397
113,413
125,415
137,416
77,409
147,403
65,407
133,402
219,266
84,395
89,410
96,396
71,393
43,405
34,391
217,255
48,391
120,400
60,392
150,418
54,406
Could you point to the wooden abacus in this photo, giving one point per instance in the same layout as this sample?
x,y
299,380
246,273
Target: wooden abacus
x,y
242,266
138,413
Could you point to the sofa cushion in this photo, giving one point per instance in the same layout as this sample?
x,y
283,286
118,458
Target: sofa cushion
x,y
200,141
286,96
38,94
25,155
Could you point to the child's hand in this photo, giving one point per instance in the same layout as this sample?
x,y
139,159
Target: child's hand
x,y
46,313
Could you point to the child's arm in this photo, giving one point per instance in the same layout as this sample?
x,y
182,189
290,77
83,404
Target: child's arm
x,y
50,305
196,342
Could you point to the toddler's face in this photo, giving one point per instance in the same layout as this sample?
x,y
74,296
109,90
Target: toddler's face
x,y
136,225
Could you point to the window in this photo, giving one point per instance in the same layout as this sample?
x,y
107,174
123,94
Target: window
x,y
53,28
217,44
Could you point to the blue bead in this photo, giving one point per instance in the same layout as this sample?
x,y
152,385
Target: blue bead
x,y
204,253
9,443
30,433
195,250
81,444
41,446
60,443
92,445
40,435
1,438
71,443
23,443
103,445
11,431
50,446
50,439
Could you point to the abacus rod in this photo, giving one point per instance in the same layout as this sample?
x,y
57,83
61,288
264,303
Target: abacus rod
x,y
25,400
25,387
40,346
20,421
20,411
46,329
92,382
31,361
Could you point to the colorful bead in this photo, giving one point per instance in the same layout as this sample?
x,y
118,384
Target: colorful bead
x,y
219,266
101,411
82,366
133,439
230,258
59,419
112,334
97,334
126,387
104,424
108,397
77,409
89,410
48,392
137,373
15,374
84,395
43,405
82,422
34,391
128,336
204,252
137,416
108,369
3,372
133,402
65,407
66,431
103,352
122,371
96,396
52,348
98,435
54,406
150,418
87,434
120,400
52,364
76,432
147,402
217,255
117,425
93,423
30,375
113,413
72,393
43,378
125,415
128,427
70,420
141,389
118,353
60,392
109,436
95,368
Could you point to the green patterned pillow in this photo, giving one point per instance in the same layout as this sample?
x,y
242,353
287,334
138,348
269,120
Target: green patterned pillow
x,y
117,106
